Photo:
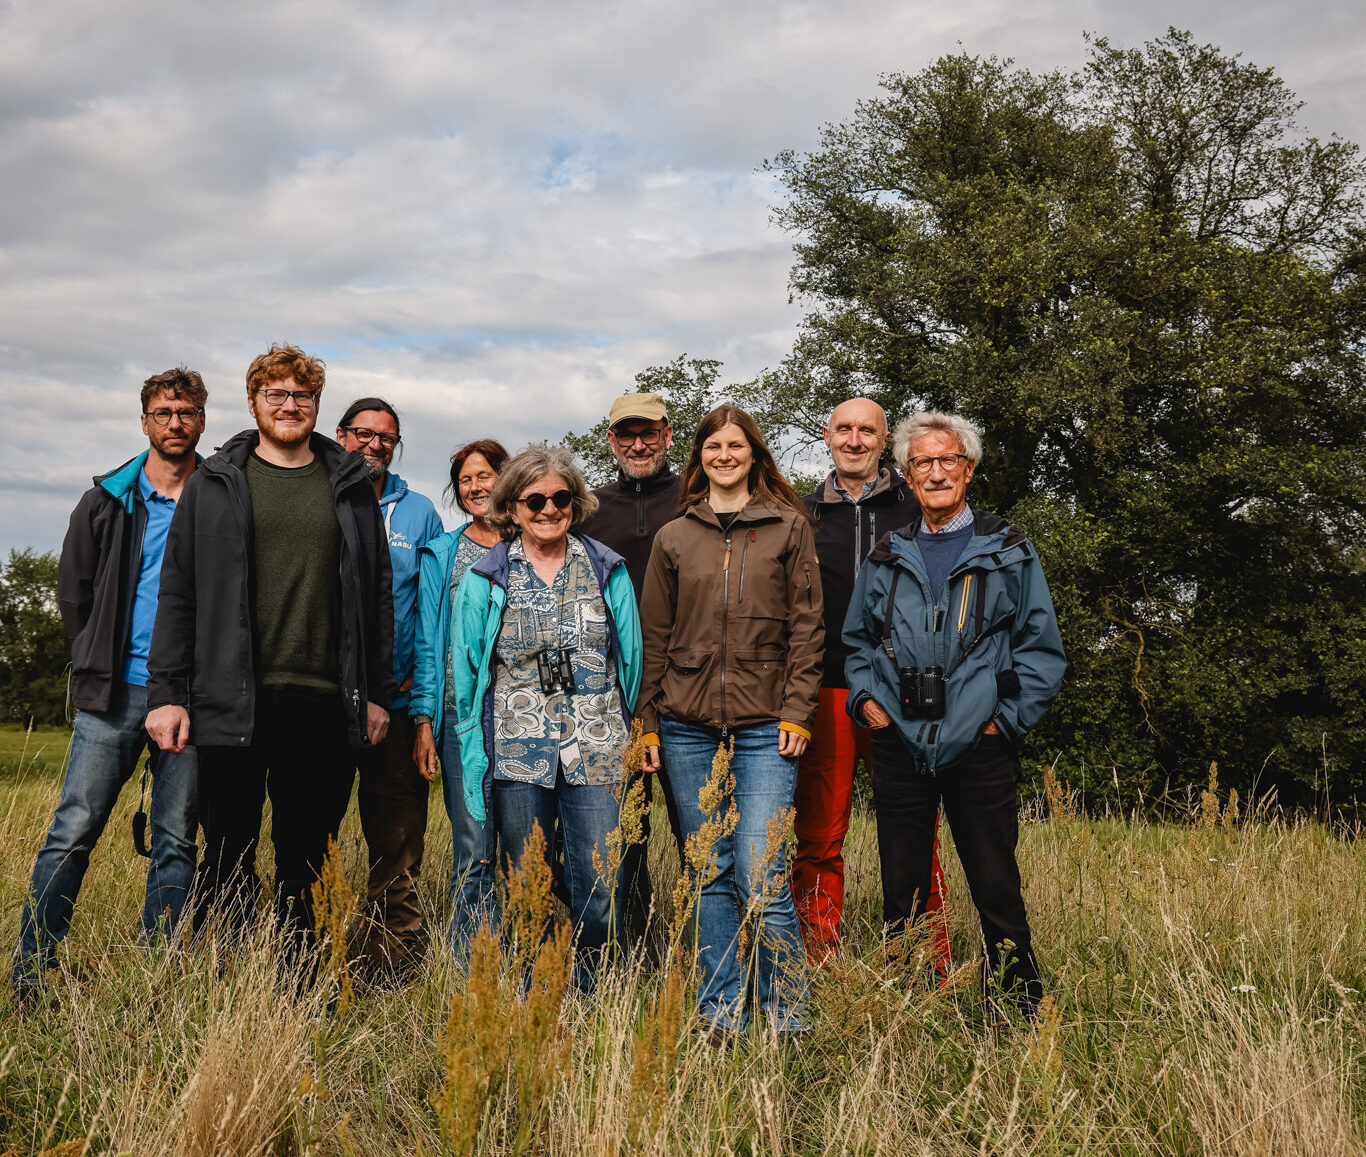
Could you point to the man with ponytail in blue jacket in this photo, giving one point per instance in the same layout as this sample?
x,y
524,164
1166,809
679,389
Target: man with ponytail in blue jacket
x,y
393,791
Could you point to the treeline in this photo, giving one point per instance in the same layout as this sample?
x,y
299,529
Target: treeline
x,y
33,645
1144,281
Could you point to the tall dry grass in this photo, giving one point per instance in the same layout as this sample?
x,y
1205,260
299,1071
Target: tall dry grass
x,y
1204,982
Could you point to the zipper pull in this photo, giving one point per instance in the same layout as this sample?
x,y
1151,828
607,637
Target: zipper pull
x,y
725,565
938,620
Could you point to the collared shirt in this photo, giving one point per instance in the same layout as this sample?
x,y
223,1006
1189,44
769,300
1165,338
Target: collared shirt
x,y
159,511
868,488
536,733
957,522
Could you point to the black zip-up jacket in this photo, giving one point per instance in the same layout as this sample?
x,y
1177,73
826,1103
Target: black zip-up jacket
x,y
203,652
97,580
845,534
630,514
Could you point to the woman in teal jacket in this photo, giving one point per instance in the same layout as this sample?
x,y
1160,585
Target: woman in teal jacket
x,y
474,470
545,666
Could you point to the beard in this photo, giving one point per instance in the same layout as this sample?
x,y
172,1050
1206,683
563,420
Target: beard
x,y
375,470
639,469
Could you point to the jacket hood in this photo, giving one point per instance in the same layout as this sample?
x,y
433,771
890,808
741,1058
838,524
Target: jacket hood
x,y
394,489
344,467
121,483
650,485
888,478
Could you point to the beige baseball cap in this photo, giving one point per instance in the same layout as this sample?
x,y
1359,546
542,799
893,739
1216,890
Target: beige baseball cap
x,y
650,407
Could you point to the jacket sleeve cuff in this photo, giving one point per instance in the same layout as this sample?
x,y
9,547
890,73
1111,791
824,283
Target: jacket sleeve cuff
x,y
651,739
853,707
802,731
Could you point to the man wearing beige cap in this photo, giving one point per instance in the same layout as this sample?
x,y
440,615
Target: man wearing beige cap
x,y
630,512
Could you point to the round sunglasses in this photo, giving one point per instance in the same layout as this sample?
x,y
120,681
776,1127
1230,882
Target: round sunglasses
x,y
536,502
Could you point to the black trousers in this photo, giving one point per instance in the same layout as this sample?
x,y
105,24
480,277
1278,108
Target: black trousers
x,y
982,809
300,757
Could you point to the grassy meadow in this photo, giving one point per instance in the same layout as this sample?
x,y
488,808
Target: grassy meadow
x,y
1206,983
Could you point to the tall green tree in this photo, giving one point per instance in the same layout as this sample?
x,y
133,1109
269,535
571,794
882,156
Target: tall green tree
x,y
33,644
1144,281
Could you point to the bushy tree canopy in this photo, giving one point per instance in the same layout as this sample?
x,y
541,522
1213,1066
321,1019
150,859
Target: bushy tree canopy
x,y
1144,282
33,644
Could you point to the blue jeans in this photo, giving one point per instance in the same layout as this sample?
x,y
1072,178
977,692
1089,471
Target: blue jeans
x,y
473,895
105,749
587,814
764,785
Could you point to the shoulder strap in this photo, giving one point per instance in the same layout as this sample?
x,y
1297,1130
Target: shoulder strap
x,y
887,617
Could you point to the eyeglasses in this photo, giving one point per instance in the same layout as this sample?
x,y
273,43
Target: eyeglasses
x,y
536,502
950,463
647,438
163,417
365,437
304,399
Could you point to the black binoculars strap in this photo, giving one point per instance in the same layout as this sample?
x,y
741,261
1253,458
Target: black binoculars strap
x,y
887,617
140,819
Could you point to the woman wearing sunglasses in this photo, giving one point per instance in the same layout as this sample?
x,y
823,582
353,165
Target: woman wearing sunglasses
x,y
444,560
545,666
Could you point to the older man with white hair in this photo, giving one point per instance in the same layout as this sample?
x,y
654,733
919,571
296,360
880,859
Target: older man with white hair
x,y
954,653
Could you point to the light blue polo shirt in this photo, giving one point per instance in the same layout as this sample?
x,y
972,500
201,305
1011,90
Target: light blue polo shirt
x,y
159,511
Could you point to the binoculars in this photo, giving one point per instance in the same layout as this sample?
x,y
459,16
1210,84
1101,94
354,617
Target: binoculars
x,y
922,692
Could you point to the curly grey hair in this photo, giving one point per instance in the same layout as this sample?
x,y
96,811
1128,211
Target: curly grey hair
x,y
528,468
932,421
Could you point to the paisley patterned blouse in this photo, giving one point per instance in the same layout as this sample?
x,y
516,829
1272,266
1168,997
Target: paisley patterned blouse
x,y
534,732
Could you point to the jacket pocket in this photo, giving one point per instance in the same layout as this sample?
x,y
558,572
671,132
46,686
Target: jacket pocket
x,y
759,683
685,685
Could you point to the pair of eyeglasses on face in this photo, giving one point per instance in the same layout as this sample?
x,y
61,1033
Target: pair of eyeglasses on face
x,y
647,438
163,417
365,436
535,503
950,463
304,399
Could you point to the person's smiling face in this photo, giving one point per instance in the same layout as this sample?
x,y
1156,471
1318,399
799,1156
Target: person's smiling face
x,y
548,526
726,460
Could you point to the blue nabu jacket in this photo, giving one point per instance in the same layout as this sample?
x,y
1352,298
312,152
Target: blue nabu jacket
x,y
433,646
992,630
410,521
477,619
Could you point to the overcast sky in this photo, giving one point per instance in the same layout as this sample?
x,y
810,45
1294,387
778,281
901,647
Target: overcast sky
x,y
491,213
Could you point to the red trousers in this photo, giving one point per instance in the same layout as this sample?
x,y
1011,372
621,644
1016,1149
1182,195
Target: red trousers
x,y
824,799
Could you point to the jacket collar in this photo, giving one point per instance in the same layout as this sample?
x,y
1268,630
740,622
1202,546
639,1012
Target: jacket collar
x,y
121,483
989,532
343,467
394,489
702,511
888,479
494,565
651,485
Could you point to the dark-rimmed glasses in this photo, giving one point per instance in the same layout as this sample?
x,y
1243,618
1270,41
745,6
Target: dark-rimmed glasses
x,y
536,502
163,417
647,438
304,399
950,462
365,436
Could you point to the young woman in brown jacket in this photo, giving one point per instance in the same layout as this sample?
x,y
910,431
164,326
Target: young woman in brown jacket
x,y
732,623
